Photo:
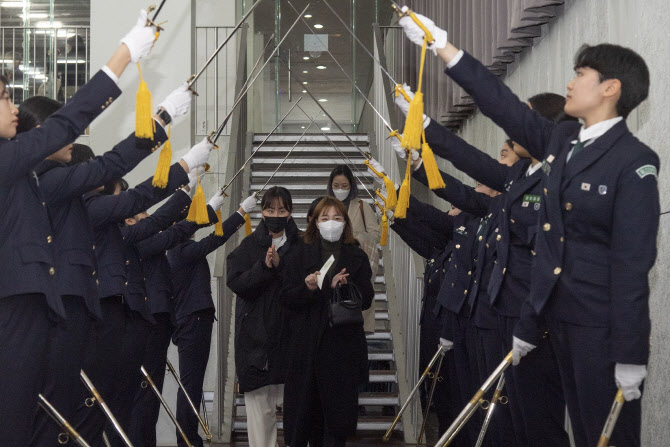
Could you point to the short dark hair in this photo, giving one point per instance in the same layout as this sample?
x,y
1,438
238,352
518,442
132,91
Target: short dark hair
x,y
80,154
624,64
110,187
345,171
34,111
550,106
274,194
312,207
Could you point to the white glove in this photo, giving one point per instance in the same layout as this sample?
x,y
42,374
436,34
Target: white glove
x,y
178,103
389,215
249,204
629,378
198,155
447,345
520,349
140,39
400,152
377,166
403,105
416,34
216,201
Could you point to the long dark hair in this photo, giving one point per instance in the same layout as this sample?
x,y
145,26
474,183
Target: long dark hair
x,y
34,111
345,171
550,106
311,234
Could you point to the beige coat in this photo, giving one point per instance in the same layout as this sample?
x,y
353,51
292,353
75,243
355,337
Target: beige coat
x,y
367,231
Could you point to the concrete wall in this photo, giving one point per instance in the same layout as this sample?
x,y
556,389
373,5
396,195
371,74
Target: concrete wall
x,y
547,66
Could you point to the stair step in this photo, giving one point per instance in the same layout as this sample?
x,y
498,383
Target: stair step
x,y
291,138
368,399
312,174
381,355
379,336
383,376
372,424
381,315
270,149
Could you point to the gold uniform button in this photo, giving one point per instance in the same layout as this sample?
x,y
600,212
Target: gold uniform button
x,y
127,262
546,227
498,237
52,271
97,282
93,274
44,204
94,247
146,299
465,292
102,107
504,270
430,280
110,99
557,271
469,272
512,220
487,245
49,239
458,246
545,191
562,239
568,206
533,252
480,238
126,283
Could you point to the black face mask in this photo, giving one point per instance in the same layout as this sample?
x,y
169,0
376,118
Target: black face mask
x,y
276,224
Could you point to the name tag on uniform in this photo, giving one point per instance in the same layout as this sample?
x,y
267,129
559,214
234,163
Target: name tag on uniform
x,y
646,170
530,198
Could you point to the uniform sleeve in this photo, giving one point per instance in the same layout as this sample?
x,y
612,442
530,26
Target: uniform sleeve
x,y
524,125
246,276
458,194
28,149
164,216
167,239
105,209
417,236
632,255
465,157
191,253
66,183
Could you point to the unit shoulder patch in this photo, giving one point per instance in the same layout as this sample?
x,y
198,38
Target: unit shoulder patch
x,y
646,170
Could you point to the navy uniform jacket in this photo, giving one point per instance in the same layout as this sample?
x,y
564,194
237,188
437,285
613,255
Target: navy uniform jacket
x,y
598,219
26,251
155,264
191,277
135,291
107,212
509,285
62,187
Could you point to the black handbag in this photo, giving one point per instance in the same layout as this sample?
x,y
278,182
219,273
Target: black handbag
x,y
346,306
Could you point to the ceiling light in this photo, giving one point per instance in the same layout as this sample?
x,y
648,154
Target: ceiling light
x,y
305,58
13,4
307,16
49,24
35,15
325,128
305,71
304,82
70,61
304,91
302,127
323,100
318,26
321,67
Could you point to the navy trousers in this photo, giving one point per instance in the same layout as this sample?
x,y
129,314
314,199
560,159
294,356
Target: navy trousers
x,y
102,367
535,393
68,344
192,338
129,378
146,406
24,343
587,377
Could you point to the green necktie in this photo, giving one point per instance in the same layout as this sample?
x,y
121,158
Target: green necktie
x,y
577,148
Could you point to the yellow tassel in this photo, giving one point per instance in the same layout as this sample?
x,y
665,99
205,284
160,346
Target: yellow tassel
x,y
411,136
144,123
403,198
435,180
198,211
218,226
163,167
391,196
385,231
247,224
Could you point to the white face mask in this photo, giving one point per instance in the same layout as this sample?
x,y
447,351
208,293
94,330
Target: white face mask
x,y
341,194
331,230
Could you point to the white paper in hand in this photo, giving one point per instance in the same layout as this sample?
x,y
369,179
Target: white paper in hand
x,y
324,270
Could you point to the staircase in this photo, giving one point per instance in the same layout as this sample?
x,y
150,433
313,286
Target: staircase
x,y
305,174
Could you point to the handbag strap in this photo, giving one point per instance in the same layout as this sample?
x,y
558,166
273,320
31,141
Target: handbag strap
x,y
360,205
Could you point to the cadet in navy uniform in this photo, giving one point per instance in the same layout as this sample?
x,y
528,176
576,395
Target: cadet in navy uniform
x,y
62,187
534,390
106,213
28,278
194,314
158,286
598,225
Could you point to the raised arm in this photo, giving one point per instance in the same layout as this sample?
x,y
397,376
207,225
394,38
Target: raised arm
x,y
170,212
190,253
418,236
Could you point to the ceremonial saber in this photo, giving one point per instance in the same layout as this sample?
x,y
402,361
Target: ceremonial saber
x,y
492,405
617,405
203,424
438,354
70,432
341,153
105,409
436,378
191,80
386,123
225,187
165,406
217,133
474,403
256,194
158,10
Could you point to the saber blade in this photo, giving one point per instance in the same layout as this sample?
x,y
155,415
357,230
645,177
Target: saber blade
x,y
105,409
69,431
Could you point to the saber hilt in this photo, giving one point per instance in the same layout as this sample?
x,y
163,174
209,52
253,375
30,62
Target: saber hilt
x,y
152,21
103,406
612,417
165,406
436,379
474,403
497,397
68,430
205,427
